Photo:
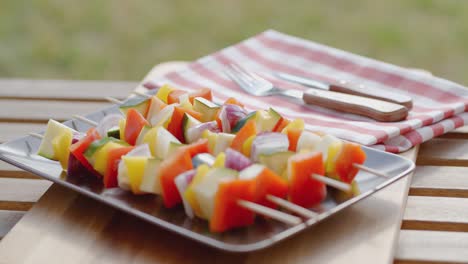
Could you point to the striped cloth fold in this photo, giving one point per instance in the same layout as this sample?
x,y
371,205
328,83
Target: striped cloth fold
x,y
439,105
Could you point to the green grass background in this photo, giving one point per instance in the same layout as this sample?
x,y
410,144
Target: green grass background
x,y
123,39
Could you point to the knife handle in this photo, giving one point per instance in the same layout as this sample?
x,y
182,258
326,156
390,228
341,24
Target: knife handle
x,y
376,109
347,87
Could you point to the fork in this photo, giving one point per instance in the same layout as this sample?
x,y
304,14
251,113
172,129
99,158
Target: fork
x,y
378,110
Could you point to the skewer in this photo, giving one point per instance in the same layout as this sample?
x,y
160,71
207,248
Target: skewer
x,y
36,135
304,212
86,120
370,170
266,211
147,96
113,100
332,182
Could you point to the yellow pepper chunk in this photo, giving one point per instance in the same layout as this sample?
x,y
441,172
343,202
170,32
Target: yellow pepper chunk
x,y
212,138
164,92
100,162
122,124
150,138
220,160
136,171
189,194
247,146
61,145
296,124
333,151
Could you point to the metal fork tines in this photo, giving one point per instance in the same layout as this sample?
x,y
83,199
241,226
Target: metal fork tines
x,y
254,84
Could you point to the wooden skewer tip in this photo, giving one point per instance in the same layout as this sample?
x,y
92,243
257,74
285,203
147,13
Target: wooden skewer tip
x,y
142,94
304,212
370,170
86,120
113,100
266,211
332,182
36,135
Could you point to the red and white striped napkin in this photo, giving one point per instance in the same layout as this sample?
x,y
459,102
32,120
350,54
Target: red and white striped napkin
x,y
439,105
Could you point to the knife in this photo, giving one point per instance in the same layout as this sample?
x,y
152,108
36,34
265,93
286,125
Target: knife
x,y
347,87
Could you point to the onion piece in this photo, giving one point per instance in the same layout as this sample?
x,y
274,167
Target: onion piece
x,y
107,123
223,116
234,113
194,133
229,115
236,160
268,143
203,158
182,182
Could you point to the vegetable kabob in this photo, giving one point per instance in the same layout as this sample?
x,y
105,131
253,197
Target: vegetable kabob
x,y
132,135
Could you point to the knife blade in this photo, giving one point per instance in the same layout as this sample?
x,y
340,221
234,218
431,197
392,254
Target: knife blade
x,y
347,87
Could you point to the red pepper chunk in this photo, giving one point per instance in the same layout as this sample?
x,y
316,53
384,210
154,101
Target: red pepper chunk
x,y
134,123
281,124
173,96
227,213
303,189
350,153
267,182
113,159
169,169
78,149
293,136
175,125
197,147
203,92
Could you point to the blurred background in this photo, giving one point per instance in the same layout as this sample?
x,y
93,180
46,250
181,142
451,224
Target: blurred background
x,y
122,39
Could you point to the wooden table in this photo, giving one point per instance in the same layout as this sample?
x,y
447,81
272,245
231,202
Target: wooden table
x,y
44,223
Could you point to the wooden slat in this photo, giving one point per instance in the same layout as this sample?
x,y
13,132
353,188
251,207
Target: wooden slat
x,y
440,181
63,90
32,111
11,130
461,133
10,171
22,190
436,213
444,152
8,219
432,246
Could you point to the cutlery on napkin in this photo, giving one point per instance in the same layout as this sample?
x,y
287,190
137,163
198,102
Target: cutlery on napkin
x,y
347,87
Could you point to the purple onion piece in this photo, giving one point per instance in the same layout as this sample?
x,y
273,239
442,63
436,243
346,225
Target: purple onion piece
x,y
194,133
223,116
233,113
236,160
76,169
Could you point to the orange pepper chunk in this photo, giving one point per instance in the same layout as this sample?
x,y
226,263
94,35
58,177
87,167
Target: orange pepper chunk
x,y
227,213
350,153
134,123
248,130
303,189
